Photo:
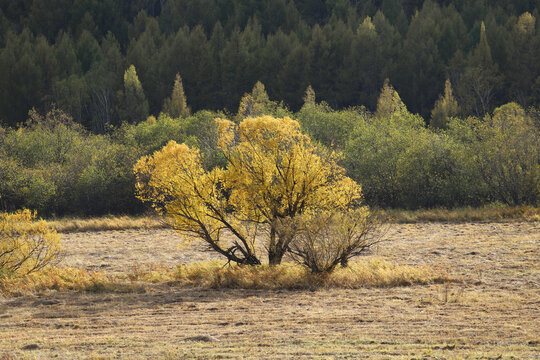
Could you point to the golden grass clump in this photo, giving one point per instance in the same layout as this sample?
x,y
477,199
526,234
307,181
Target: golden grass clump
x,y
370,273
213,274
381,273
56,278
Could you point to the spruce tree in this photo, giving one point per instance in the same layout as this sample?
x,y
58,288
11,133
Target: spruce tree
x,y
446,107
389,102
523,62
292,79
132,103
309,97
481,76
176,105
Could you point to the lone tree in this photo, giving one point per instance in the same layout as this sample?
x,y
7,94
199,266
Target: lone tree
x,y
275,175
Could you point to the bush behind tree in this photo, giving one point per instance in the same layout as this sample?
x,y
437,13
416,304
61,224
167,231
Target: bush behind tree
x,y
331,238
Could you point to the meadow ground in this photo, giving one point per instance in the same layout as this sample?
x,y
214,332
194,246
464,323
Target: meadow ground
x,y
493,313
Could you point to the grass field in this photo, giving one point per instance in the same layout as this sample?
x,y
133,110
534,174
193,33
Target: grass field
x,y
488,213
492,313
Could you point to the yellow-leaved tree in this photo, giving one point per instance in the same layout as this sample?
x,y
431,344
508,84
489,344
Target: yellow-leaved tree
x,y
25,245
274,174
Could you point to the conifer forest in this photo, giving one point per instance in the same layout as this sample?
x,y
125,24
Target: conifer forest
x,y
430,103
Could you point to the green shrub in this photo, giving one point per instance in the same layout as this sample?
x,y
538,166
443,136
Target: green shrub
x,y
503,154
329,127
401,163
56,167
153,134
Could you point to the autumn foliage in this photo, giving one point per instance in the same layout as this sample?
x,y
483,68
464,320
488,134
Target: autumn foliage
x,y
25,245
274,174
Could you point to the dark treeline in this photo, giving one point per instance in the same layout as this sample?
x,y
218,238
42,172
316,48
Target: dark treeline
x,y
75,53
431,103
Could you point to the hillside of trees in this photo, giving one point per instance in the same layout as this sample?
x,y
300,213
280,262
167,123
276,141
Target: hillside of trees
x,y
426,103
58,167
74,54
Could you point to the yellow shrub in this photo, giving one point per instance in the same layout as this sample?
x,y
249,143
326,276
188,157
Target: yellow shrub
x,y
25,245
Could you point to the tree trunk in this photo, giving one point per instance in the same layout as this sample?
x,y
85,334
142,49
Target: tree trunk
x,y
279,243
277,249
275,256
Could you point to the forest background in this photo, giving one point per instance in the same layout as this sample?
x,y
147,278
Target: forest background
x,y
103,74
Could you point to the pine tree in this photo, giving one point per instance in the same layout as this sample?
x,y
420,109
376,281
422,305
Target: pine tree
x,y
101,80
132,104
389,102
393,11
309,97
146,52
359,79
321,69
234,67
446,107
88,51
523,65
482,53
482,76
255,104
176,105
292,79
420,65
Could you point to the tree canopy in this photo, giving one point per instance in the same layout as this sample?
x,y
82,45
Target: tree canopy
x,y
274,174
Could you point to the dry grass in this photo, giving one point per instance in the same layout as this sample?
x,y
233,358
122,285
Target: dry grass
x,y
492,213
61,279
493,314
360,274
107,223
213,274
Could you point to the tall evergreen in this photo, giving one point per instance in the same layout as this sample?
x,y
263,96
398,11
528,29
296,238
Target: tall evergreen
x,y
74,53
176,105
389,102
523,65
481,76
132,103
445,107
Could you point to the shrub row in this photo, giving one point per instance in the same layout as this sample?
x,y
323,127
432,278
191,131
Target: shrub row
x,y
55,166
402,163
